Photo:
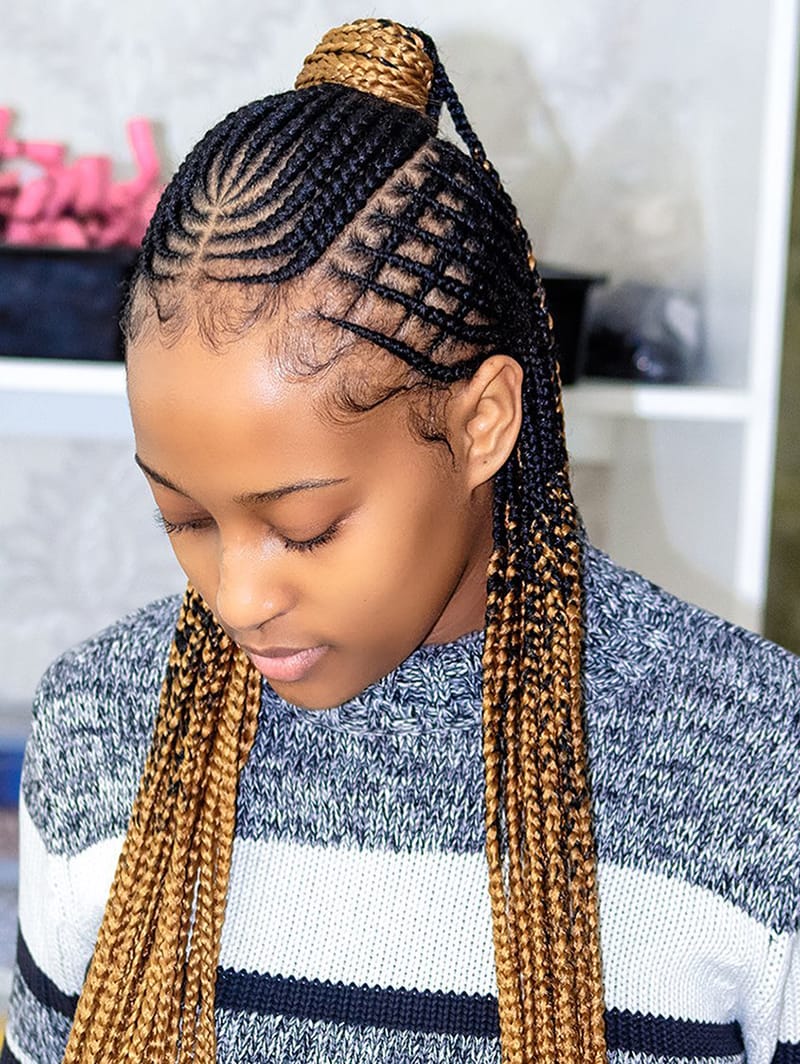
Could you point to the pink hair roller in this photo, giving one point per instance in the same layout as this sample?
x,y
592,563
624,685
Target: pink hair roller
x,y
29,204
44,153
78,205
92,175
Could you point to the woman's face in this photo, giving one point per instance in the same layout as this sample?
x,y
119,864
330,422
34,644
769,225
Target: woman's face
x,y
328,551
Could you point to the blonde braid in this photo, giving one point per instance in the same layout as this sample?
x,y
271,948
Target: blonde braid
x,y
540,1043
156,1022
376,56
149,993
495,672
580,841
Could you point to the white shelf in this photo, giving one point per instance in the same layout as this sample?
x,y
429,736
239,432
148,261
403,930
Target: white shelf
x,y
50,398
673,402
62,377
42,397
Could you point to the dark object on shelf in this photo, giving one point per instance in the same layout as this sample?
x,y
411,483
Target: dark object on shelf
x,y
62,303
566,300
643,333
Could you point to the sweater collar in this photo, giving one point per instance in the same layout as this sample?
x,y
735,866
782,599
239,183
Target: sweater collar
x,y
437,686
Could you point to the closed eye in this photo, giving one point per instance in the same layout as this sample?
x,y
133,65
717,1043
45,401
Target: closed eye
x,y
314,542
197,524
200,524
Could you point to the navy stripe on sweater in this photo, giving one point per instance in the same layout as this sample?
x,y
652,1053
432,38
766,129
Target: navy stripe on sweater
x,y
661,1036
438,1012
457,1014
42,986
470,1015
786,1053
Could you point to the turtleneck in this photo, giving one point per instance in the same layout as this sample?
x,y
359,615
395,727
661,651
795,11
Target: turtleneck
x,y
438,686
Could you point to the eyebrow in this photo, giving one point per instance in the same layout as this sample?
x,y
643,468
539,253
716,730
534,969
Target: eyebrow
x,y
249,497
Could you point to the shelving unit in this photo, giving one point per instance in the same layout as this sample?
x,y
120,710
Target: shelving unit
x,y
49,398
81,399
43,376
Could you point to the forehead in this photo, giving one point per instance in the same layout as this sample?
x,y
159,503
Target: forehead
x,y
228,415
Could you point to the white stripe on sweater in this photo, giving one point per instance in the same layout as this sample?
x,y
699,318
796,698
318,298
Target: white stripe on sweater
x,y
413,920
790,1020
61,902
673,949
422,921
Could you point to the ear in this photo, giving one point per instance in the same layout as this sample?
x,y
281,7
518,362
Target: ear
x,y
488,413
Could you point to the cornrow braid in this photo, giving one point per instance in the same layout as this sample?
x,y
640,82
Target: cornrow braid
x,y
430,262
272,201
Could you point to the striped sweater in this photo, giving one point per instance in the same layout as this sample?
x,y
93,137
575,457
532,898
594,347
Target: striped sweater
x,y
358,926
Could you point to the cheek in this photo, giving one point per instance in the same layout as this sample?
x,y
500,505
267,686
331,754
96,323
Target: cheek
x,y
364,578
417,550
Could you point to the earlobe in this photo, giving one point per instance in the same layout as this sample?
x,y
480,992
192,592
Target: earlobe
x,y
492,415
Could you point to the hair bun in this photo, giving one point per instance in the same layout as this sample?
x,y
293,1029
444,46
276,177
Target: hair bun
x,y
376,56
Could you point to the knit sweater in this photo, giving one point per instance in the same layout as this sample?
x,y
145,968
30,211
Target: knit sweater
x,y
358,925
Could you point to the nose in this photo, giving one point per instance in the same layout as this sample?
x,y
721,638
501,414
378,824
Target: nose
x,y
250,591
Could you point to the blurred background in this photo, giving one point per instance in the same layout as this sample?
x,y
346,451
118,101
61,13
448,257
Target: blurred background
x,y
648,146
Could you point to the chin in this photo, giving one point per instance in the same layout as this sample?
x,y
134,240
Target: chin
x,y
312,696
326,685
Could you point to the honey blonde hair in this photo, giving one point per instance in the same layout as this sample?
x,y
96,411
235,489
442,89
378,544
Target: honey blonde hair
x,y
233,216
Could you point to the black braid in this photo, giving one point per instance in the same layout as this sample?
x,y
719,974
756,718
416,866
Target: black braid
x,y
317,155
442,92
435,371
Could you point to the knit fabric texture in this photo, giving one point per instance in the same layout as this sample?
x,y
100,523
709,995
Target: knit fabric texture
x,y
358,926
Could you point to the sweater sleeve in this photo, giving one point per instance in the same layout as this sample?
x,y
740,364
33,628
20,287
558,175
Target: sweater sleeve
x,y
66,865
42,1001
92,721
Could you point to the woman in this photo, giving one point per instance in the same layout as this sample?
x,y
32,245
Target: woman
x,y
345,397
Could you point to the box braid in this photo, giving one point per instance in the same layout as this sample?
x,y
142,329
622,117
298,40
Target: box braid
x,y
432,264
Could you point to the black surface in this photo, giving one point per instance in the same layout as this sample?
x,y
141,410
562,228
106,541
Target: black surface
x,y
62,303
566,300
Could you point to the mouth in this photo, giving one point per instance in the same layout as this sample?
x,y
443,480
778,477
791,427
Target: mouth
x,y
286,663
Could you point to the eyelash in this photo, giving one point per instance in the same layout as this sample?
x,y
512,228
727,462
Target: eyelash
x,y
302,546
171,527
307,545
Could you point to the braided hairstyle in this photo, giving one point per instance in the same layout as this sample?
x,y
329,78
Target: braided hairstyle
x,y
345,177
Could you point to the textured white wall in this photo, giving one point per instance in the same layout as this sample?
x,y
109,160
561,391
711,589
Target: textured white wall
x,y
627,133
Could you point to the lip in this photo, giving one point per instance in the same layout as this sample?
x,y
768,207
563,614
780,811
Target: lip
x,y
285,663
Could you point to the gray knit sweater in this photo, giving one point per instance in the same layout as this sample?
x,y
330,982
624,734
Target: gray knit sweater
x,y
358,926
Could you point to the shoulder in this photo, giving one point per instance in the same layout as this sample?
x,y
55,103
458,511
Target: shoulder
x,y
93,716
129,652
694,734
635,630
